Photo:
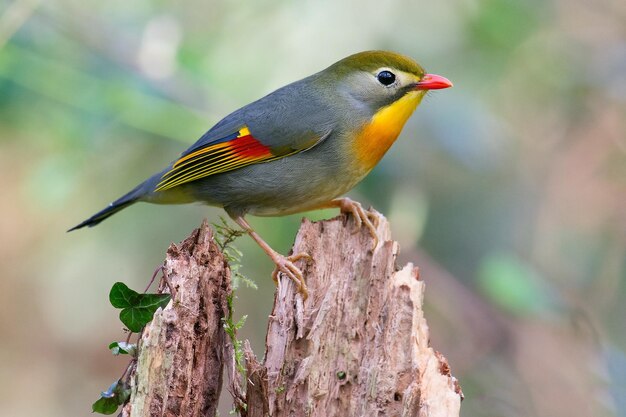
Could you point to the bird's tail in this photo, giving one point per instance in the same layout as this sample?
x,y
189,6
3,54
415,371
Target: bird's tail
x,y
111,209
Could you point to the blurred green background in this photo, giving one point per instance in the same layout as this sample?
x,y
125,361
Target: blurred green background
x,y
509,190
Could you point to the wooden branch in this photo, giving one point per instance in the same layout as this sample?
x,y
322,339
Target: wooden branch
x,y
358,346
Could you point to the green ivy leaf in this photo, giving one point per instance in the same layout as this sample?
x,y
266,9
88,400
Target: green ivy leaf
x,y
105,406
123,348
137,309
116,395
121,296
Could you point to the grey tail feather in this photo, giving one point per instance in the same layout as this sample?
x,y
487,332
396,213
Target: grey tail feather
x,y
111,209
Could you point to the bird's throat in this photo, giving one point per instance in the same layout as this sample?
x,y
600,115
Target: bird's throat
x,y
377,136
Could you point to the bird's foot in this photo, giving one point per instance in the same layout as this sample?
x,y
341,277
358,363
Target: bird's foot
x,y
361,216
285,264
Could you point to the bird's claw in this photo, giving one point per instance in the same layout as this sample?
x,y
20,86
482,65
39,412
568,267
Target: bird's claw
x,y
361,217
285,264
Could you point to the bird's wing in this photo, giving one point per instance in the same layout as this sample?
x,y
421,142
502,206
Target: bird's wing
x,y
235,150
288,121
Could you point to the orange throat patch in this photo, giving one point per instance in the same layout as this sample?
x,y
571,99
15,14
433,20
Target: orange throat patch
x,y
376,137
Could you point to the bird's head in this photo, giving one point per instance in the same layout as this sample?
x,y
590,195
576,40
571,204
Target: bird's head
x,y
377,79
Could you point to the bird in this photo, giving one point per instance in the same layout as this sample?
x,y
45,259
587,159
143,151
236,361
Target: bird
x,y
297,149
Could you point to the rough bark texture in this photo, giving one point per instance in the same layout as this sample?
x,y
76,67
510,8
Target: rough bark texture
x,y
179,368
359,345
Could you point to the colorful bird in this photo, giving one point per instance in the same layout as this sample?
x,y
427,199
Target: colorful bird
x,y
296,149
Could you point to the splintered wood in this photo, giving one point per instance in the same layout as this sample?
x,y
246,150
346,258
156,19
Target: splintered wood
x,y
358,346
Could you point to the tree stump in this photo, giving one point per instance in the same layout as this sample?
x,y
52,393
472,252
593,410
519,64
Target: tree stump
x,y
358,346
181,351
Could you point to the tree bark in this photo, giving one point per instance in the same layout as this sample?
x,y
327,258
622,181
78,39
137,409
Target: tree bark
x,y
181,351
358,346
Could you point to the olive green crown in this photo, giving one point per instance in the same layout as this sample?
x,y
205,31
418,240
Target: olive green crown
x,y
372,60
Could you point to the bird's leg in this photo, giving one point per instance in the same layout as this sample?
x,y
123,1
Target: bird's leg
x,y
361,216
284,264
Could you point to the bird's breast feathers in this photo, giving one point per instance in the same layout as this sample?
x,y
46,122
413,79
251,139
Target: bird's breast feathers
x,y
374,139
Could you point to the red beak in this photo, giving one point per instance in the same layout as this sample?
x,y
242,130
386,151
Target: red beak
x,y
433,82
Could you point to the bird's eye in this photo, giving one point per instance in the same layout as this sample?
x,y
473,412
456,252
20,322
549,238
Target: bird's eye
x,y
386,77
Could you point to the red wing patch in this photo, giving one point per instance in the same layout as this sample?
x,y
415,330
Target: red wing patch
x,y
215,158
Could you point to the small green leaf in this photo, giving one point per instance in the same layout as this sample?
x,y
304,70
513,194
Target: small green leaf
x,y
123,348
121,296
134,319
105,406
153,301
137,309
116,395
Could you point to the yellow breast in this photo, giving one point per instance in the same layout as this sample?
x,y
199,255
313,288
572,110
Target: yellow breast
x,y
380,133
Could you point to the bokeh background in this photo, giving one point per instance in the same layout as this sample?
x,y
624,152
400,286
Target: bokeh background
x,y
509,190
